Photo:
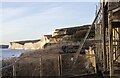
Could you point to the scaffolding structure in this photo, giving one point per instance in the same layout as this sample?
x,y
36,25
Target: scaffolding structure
x,y
107,31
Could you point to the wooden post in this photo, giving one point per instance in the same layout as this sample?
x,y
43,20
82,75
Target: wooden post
x,y
110,40
40,65
59,70
104,37
14,71
119,42
115,43
60,63
110,50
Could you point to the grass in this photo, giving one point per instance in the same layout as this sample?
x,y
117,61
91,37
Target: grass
x,y
47,62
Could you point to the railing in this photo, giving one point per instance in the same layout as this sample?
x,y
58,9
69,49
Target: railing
x,y
76,55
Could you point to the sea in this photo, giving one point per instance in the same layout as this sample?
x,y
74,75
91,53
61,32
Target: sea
x,y
10,53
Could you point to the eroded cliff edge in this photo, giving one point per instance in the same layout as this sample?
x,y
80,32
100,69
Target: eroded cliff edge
x,y
63,35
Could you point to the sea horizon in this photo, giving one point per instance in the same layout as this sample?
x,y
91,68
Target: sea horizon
x,y
10,53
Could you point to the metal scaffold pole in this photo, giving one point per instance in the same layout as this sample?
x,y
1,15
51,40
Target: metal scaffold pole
x,y
110,40
104,36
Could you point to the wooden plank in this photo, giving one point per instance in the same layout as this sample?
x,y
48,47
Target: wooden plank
x,y
119,42
113,5
116,24
116,10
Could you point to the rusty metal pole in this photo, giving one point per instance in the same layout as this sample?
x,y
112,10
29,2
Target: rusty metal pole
x,y
104,36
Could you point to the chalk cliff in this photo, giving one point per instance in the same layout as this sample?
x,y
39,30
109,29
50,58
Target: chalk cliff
x,y
28,44
71,34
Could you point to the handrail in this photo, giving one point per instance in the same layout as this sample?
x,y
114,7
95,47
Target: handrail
x,y
83,42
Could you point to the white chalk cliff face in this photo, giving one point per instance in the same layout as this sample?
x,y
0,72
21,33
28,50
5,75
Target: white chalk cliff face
x,y
57,36
16,46
44,40
30,45
37,45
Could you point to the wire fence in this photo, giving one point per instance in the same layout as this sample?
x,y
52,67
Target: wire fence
x,y
48,65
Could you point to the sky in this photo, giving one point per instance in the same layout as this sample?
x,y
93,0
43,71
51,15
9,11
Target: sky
x,y
32,20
